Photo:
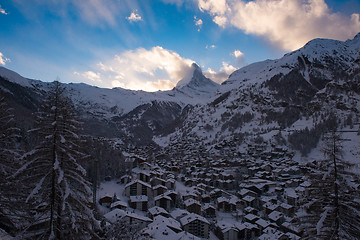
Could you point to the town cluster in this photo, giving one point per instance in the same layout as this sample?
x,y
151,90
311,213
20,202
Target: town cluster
x,y
253,197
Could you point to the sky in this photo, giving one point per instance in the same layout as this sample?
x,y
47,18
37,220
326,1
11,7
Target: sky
x,y
151,44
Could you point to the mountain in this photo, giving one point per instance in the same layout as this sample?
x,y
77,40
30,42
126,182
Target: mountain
x,y
196,83
289,102
133,116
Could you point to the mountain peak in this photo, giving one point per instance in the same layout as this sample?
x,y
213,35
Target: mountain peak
x,y
195,80
14,77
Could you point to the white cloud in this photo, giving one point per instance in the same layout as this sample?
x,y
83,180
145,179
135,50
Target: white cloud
x,y
198,23
220,75
238,54
134,17
140,69
288,24
92,76
2,11
3,59
210,46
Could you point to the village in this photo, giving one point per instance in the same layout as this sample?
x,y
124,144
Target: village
x,y
253,196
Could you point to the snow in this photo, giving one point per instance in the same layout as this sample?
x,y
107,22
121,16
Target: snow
x,y
14,77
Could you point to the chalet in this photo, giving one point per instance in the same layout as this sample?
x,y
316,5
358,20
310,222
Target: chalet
x,y
192,205
291,197
144,176
155,211
276,217
158,181
262,224
247,230
138,187
226,231
119,205
208,210
251,218
196,224
163,201
145,166
287,209
106,201
133,218
173,195
139,202
169,222
159,189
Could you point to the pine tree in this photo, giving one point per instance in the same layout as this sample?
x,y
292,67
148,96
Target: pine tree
x,y
59,194
9,155
332,210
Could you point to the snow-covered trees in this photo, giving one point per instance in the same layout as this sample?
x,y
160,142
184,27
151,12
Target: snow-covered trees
x,y
332,209
58,193
9,135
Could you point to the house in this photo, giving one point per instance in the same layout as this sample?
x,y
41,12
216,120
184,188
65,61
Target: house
x,y
251,218
226,231
119,204
138,187
208,210
262,224
159,189
106,201
276,217
192,205
196,225
136,219
247,230
163,201
144,176
171,223
291,197
287,209
155,211
139,202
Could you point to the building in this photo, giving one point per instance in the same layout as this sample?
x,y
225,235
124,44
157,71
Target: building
x,y
196,225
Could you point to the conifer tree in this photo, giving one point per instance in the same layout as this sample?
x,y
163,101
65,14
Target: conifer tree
x,y
58,193
332,210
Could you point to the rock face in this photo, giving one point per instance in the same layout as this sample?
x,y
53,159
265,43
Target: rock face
x,y
283,101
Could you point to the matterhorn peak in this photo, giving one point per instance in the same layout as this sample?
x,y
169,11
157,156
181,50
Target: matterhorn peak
x,y
195,80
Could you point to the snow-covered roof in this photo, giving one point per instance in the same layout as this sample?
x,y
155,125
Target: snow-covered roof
x,y
190,201
275,215
119,203
114,215
263,223
179,213
138,181
162,196
157,210
192,217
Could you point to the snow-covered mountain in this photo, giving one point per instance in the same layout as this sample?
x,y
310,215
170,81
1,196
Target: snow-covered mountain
x,y
119,112
289,101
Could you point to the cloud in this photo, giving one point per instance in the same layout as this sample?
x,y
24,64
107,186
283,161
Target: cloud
x,y
288,24
140,69
3,59
198,23
134,17
238,54
92,76
221,75
2,11
210,46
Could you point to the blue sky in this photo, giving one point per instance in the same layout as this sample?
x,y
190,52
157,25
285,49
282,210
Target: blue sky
x,y
151,44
